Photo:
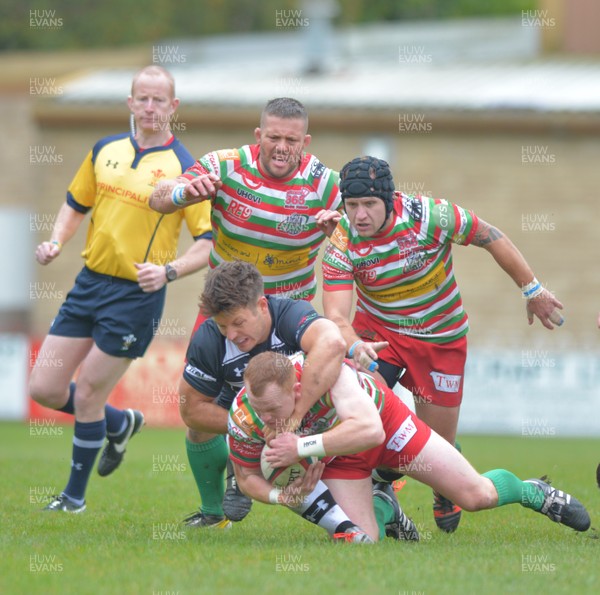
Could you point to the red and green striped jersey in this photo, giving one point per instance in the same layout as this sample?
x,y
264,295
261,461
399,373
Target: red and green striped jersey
x,y
267,221
245,428
404,274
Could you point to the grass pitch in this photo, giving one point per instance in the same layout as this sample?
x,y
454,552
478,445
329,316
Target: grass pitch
x,y
130,540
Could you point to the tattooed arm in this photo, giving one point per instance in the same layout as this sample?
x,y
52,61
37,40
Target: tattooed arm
x,y
507,255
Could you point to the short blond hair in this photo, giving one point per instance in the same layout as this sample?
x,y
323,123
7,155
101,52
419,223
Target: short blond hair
x,y
154,70
268,368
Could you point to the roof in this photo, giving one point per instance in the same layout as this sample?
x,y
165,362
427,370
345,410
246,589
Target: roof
x,y
474,65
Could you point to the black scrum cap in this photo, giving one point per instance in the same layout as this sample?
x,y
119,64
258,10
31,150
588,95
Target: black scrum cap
x,y
368,176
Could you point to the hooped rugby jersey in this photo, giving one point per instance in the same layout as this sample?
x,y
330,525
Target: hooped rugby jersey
x,y
245,429
404,274
215,366
115,181
269,222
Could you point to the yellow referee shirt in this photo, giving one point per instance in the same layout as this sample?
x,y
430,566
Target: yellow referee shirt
x,y
115,181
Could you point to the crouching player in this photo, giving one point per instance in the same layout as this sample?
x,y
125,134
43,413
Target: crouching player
x,y
356,426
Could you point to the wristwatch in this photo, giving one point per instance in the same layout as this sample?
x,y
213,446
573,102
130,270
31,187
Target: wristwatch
x,y
171,272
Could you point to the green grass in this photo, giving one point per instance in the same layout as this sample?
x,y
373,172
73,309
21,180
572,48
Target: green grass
x,y
129,539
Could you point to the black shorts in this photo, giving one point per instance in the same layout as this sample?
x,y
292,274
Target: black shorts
x,y
115,312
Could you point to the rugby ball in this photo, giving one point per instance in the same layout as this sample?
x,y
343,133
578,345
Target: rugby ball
x,y
283,476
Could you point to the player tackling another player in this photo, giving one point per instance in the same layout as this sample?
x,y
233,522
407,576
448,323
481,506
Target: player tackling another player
x,y
362,424
243,322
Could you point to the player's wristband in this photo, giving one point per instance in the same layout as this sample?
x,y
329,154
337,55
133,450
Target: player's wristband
x,y
274,495
311,446
178,195
532,289
365,360
353,347
56,243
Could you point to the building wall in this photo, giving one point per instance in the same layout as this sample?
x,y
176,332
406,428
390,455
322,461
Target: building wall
x,y
539,188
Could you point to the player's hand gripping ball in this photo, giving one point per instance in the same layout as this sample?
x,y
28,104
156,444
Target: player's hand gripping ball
x,y
283,476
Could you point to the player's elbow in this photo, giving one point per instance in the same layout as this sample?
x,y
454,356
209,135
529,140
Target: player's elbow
x,y
371,435
333,342
160,199
378,436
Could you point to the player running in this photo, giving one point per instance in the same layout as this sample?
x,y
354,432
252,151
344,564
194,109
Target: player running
x,y
109,317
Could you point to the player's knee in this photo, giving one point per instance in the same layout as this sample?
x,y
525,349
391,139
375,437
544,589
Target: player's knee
x,y
198,437
186,413
477,497
45,393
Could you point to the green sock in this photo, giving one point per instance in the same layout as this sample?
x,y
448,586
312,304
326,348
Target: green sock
x,y
384,513
208,461
512,490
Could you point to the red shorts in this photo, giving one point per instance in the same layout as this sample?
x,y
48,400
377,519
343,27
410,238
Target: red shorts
x,y
405,437
434,371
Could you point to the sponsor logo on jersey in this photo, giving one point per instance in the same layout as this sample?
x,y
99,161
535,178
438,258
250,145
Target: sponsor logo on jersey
x,y
446,383
248,195
235,431
296,199
336,256
197,373
121,192
239,211
402,435
242,417
408,247
429,282
463,226
208,163
281,264
414,207
368,262
316,169
407,243
226,154
304,320
246,450
339,238
331,273
366,276
294,224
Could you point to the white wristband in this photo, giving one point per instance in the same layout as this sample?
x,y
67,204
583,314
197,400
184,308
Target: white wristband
x,y
274,495
311,446
178,195
532,289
